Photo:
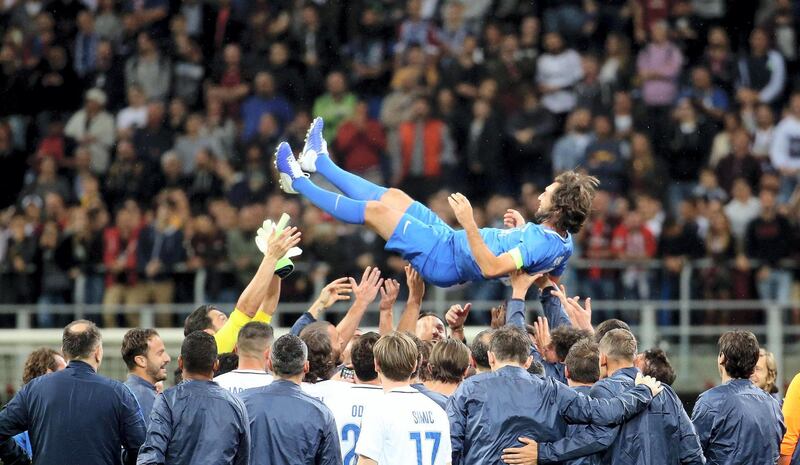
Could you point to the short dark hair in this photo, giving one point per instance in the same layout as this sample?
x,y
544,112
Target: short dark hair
x,y
583,362
38,362
319,351
228,362
449,361
657,365
80,339
480,348
199,352
571,203
564,337
619,344
134,344
510,344
289,354
423,370
740,349
536,368
254,338
607,326
363,358
198,320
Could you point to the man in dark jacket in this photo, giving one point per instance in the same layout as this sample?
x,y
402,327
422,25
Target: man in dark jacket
x,y
661,434
286,424
482,425
76,416
737,422
197,422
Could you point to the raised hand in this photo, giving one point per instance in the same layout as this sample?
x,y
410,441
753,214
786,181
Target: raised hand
x,y
371,282
513,219
457,315
655,386
278,245
581,317
415,283
389,293
498,316
542,329
462,209
335,291
521,281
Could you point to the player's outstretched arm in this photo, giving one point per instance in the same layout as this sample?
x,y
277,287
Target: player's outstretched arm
x,y
365,293
389,292
270,303
416,292
491,265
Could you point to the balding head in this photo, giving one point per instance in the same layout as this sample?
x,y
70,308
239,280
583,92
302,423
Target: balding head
x,y
82,341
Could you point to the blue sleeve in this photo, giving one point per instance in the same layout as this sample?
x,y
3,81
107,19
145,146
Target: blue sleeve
x,y
559,270
330,452
691,452
589,439
578,408
243,452
133,426
515,313
703,421
154,449
304,320
14,417
457,413
553,310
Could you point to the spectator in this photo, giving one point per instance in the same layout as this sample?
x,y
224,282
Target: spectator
x,y
316,46
188,72
204,184
160,249
483,151
361,143
604,158
134,116
707,97
336,105
19,264
762,72
742,208
197,421
617,69
229,80
739,164
119,257
596,239
93,128
785,151
149,68
415,30
56,88
193,141
722,146
763,131
125,178
688,150
242,250
589,90
85,49
658,67
154,139
63,409
420,151
632,241
644,168
107,22
769,239
146,358
52,263
227,28
108,75
532,132
368,52
569,151
265,100
84,246
557,71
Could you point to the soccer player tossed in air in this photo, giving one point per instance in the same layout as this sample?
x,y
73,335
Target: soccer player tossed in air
x,y
442,255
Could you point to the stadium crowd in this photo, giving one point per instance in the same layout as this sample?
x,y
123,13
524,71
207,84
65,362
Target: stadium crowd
x,y
136,136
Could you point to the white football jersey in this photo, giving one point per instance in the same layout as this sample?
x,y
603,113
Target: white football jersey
x,y
404,427
346,401
237,381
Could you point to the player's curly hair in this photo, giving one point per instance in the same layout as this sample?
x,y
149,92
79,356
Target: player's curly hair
x,y
38,362
571,203
321,356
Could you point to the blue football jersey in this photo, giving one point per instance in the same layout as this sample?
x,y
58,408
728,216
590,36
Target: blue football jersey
x,y
535,248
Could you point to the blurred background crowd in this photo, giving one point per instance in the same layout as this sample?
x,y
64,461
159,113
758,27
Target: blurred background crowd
x,y
136,137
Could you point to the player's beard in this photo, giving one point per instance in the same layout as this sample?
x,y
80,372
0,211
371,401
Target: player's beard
x,y
540,217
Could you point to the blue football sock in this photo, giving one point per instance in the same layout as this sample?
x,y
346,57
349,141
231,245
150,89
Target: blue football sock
x,y
352,185
340,207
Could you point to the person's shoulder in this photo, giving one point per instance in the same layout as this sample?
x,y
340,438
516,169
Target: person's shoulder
x,y
604,388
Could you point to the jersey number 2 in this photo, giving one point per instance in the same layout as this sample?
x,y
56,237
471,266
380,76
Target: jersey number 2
x,y
350,458
431,436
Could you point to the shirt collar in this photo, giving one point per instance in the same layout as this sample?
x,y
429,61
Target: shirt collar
x,y
629,372
286,383
80,366
138,380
